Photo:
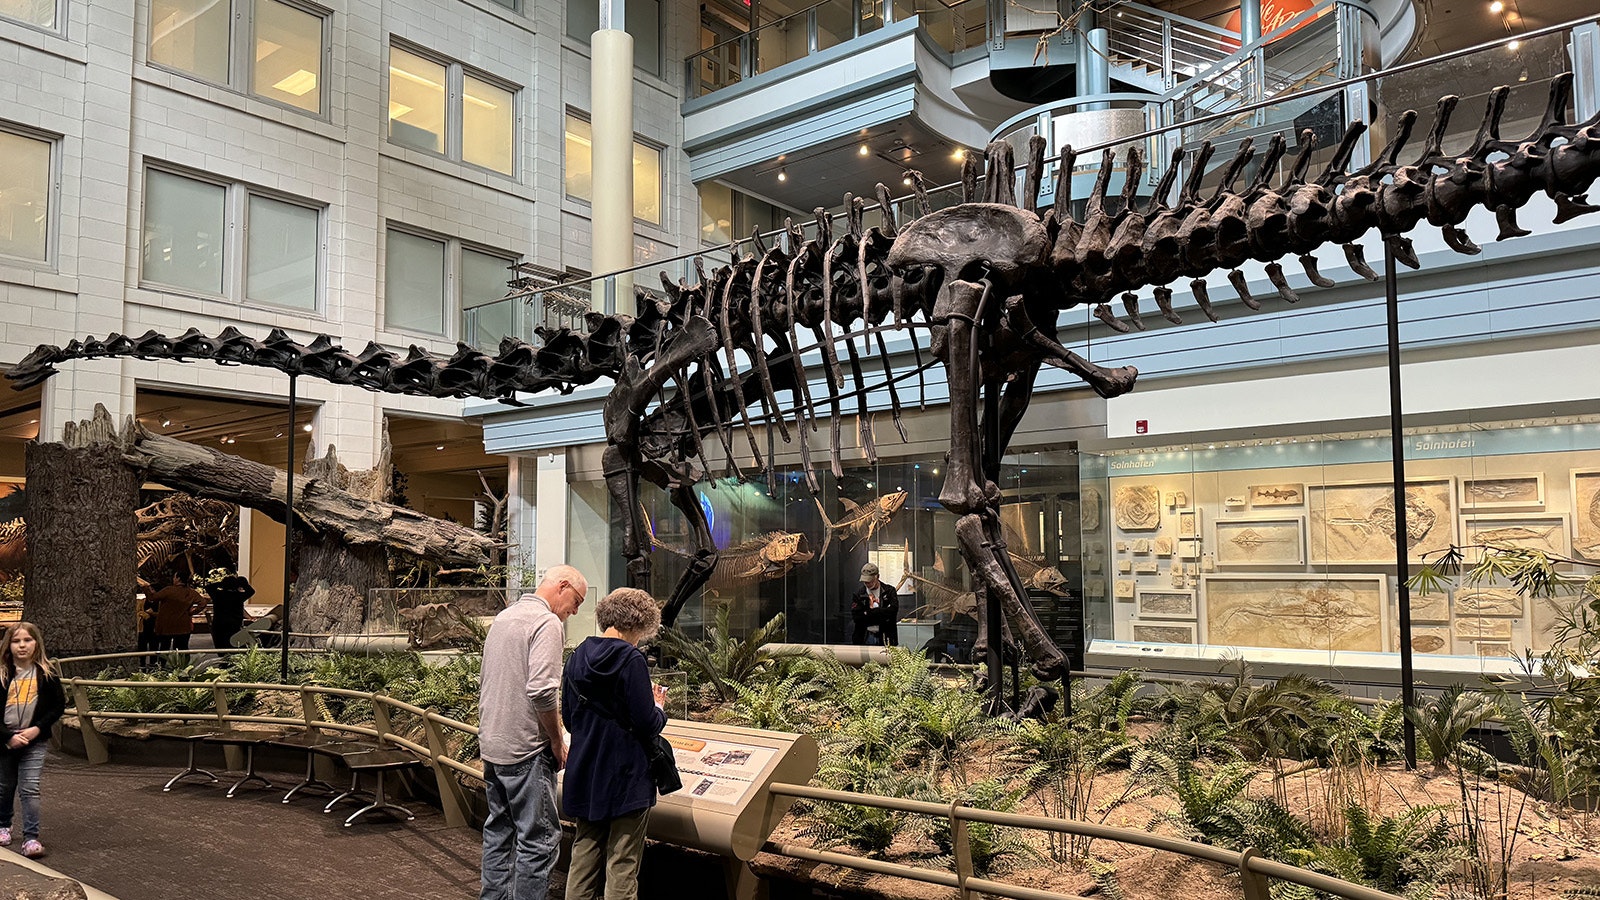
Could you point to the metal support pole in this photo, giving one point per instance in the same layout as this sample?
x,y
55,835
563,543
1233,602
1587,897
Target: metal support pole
x,y
994,622
288,538
1402,549
1249,21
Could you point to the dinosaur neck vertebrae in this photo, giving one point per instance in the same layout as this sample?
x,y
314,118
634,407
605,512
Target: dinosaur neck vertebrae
x,y
986,279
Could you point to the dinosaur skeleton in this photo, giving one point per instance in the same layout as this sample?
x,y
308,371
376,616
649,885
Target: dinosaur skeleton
x,y
986,279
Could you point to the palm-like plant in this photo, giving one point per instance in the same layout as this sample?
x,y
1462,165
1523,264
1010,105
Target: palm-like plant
x,y
1444,722
721,659
1208,805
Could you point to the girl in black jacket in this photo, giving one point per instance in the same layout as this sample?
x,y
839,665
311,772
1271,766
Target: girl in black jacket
x,y
34,703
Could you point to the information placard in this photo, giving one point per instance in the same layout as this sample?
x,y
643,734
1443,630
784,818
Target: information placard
x,y
720,771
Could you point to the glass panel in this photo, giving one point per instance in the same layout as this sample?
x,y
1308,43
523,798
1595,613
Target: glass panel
x,y
288,60
184,232
583,19
414,296
488,120
24,196
508,4
191,35
282,254
579,164
646,183
835,24
416,101
644,23
483,281
34,12
716,214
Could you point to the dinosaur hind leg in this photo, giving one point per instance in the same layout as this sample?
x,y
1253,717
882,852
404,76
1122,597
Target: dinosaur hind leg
x,y
704,560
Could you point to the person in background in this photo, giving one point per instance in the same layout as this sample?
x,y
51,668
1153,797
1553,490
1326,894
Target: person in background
x,y
227,609
176,605
148,643
613,711
520,739
874,608
34,703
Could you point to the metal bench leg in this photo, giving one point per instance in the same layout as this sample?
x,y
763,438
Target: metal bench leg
x,y
249,771
380,801
190,770
354,792
311,780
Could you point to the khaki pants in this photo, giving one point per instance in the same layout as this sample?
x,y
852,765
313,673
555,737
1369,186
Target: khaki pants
x,y
607,853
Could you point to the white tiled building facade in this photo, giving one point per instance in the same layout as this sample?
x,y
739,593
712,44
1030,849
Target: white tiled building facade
x,y
350,168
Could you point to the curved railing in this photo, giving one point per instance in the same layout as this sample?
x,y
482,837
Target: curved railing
x,y
1254,871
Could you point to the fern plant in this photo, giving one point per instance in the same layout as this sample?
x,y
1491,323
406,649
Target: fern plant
x,y
783,704
1209,805
1444,722
993,848
1410,853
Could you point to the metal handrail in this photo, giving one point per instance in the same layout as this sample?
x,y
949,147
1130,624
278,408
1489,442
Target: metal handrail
x,y
1254,870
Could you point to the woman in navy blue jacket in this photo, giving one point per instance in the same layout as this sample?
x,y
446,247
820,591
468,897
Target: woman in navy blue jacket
x,y
613,712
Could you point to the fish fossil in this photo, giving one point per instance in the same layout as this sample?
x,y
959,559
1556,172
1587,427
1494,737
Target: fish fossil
x,y
763,558
1511,534
1495,490
1249,540
861,520
943,600
1427,643
1278,494
1420,519
1138,507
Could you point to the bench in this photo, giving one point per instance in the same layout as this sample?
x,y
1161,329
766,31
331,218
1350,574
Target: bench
x,y
315,744
191,734
249,740
377,762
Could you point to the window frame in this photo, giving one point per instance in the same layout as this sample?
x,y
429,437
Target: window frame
x,y
454,267
59,29
660,71
455,75
236,244
241,54
52,221
638,141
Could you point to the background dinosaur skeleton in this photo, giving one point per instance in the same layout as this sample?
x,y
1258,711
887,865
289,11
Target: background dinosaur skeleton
x,y
985,279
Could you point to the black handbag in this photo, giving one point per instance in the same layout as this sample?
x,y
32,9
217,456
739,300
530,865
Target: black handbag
x,y
662,764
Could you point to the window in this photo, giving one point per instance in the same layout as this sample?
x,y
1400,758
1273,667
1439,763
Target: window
x,y
440,107
277,48
25,191
643,21
426,278
191,241
727,215
580,171
33,12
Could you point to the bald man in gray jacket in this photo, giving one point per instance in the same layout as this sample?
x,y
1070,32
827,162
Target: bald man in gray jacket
x,y
519,736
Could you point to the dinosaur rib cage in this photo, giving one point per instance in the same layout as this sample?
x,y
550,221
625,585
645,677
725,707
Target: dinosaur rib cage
x,y
890,278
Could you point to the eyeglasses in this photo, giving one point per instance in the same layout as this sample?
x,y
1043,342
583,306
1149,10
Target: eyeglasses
x,y
575,591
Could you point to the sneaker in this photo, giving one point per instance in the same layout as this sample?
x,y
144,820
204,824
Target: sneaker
x,y
32,849
5,837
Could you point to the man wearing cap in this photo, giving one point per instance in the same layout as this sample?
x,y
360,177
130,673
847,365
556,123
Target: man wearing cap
x,y
874,608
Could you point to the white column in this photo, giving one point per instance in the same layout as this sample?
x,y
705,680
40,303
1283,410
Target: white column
x,y
611,112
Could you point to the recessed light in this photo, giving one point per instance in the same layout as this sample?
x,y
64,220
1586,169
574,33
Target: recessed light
x,y
439,447
306,427
865,150
1513,45
960,154
783,175
906,181
165,422
1497,6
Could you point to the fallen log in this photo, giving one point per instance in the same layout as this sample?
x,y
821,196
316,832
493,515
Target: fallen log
x,y
320,508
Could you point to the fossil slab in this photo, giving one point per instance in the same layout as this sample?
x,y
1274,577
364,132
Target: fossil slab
x,y
1142,545
1163,546
1165,632
1354,524
1089,509
1432,607
1492,602
1124,588
1295,611
1137,507
1430,640
1156,603
1277,494
1502,490
1586,513
1260,542
1473,628
1125,566
1545,534
1145,567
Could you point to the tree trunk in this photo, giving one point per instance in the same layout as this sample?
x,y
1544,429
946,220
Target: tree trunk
x,y
81,557
335,577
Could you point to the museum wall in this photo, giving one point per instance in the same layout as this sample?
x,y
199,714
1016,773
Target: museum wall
x,y
1286,544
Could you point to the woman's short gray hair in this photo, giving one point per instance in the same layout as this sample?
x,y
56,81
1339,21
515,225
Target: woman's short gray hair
x,y
630,611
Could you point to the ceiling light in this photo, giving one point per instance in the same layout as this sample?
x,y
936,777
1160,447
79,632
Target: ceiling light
x,y
278,435
1513,45
165,422
439,447
1523,75
783,175
306,427
865,150
960,154
906,181
233,441
298,84
1497,6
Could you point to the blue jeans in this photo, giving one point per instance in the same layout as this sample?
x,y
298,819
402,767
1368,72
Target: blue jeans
x,y
522,835
19,773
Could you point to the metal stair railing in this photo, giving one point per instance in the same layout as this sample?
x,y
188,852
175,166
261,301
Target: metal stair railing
x,y
1175,47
